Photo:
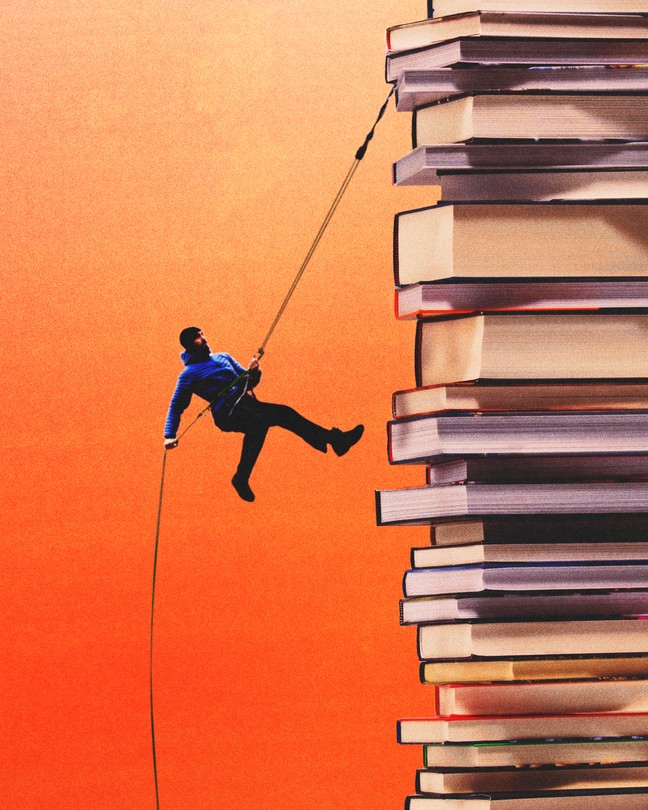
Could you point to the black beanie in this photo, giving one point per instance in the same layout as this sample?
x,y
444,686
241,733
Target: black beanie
x,y
188,335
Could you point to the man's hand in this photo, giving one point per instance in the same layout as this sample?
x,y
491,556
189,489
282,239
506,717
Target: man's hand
x,y
254,373
169,444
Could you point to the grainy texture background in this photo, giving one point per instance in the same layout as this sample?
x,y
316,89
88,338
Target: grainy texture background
x,y
166,163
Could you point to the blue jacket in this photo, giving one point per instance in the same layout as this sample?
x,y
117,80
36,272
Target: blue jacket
x,y
206,378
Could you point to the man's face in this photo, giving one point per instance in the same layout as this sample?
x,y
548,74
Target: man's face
x,y
199,347
200,341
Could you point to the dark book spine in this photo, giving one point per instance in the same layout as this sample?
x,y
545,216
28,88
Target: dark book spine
x,y
378,510
395,250
417,352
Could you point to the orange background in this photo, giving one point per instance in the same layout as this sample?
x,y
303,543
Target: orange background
x,y
167,163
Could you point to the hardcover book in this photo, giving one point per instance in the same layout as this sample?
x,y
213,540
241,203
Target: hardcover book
x,y
526,605
421,505
535,241
547,346
540,668
517,116
421,165
418,87
420,439
531,753
518,51
515,24
500,639
521,395
534,185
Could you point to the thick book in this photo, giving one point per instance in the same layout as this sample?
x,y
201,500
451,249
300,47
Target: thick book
x,y
509,116
442,7
422,439
538,186
582,528
527,469
520,395
495,295
420,166
555,697
518,51
525,754
416,88
536,727
528,605
530,345
539,242
595,799
532,638
423,505
421,33
528,576
480,553
541,668
507,780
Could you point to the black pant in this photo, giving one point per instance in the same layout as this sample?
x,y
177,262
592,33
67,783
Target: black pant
x,y
254,418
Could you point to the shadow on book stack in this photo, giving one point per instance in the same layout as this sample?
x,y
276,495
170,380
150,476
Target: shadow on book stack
x,y
529,283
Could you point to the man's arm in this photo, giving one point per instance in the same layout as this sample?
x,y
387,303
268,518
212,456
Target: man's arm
x,y
178,405
254,372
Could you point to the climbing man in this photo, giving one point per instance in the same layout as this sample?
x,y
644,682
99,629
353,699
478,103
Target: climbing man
x,y
239,410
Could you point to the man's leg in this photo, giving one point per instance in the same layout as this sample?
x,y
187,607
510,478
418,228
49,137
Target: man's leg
x,y
254,418
254,434
270,415
253,441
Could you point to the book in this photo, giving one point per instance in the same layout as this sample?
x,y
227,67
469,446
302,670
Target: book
x,y
506,780
503,639
580,528
543,668
416,88
603,799
514,24
518,51
547,346
516,727
443,7
520,395
439,298
527,605
509,116
524,753
422,439
422,505
480,553
537,186
554,697
535,241
420,166
538,469
524,577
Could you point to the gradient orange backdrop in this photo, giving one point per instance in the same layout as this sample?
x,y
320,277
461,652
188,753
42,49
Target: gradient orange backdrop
x,y
166,163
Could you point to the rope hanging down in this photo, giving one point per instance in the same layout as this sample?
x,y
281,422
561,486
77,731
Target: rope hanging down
x,y
258,355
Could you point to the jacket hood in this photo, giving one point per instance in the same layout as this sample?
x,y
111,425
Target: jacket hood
x,y
188,358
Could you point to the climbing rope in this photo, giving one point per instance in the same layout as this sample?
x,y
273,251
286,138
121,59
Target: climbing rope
x,y
257,357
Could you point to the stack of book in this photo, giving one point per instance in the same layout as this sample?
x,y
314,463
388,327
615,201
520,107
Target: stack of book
x,y
529,285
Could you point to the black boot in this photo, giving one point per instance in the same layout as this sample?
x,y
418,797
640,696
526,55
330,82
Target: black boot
x,y
343,440
242,487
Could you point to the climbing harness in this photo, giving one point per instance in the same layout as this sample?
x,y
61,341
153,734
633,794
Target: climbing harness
x,y
231,386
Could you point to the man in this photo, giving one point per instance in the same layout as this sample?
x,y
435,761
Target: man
x,y
207,374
